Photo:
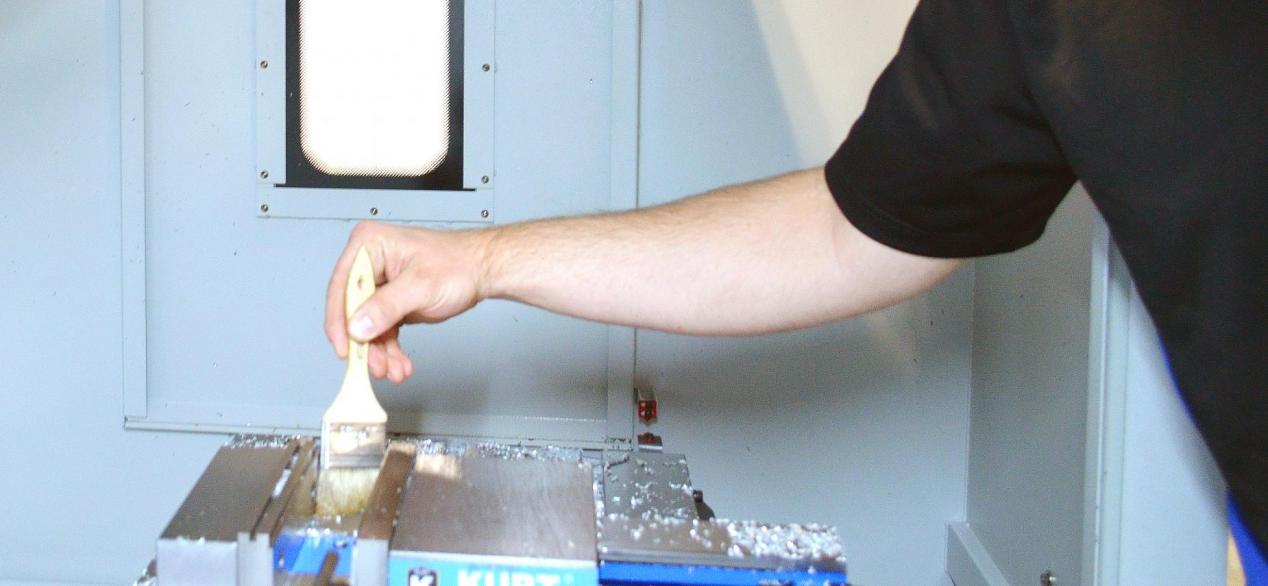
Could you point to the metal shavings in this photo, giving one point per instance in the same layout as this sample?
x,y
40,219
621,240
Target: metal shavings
x,y
459,447
519,452
789,542
666,533
429,446
259,441
597,485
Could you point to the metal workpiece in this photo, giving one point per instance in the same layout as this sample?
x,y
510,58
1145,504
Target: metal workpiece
x,y
209,540
814,552
490,449
647,485
473,505
379,517
669,540
231,493
295,485
475,513
650,513
378,520
651,519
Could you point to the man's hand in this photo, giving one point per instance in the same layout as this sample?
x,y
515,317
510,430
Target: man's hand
x,y
763,257
423,276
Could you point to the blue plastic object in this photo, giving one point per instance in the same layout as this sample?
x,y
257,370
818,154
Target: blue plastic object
x,y
303,553
629,574
1253,563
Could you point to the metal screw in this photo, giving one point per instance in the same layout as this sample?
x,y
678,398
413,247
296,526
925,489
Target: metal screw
x,y
485,67
484,179
1047,578
264,174
264,208
484,213
374,211
264,64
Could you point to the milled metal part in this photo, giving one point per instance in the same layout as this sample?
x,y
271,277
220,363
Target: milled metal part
x,y
485,449
379,518
302,461
494,506
649,515
647,485
231,494
209,539
639,508
720,543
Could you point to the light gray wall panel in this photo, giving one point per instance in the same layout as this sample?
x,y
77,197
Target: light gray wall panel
x,y
221,353
864,423
82,500
1030,352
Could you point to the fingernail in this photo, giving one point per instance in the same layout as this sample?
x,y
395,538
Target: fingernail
x,y
360,327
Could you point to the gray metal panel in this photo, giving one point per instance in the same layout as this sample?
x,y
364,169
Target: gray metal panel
x,y
502,370
1107,393
494,506
478,90
968,563
132,203
70,470
385,205
270,92
626,64
1029,405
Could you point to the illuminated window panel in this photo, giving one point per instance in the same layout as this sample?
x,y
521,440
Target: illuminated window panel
x,y
374,94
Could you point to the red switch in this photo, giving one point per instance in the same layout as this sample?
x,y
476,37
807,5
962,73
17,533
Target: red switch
x,y
647,410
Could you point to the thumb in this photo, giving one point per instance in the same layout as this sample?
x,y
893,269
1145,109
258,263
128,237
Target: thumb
x,y
381,312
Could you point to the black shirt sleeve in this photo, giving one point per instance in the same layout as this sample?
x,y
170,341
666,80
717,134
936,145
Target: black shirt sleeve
x,y
951,157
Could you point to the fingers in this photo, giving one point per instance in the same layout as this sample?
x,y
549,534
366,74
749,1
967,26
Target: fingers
x,y
377,360
383,310
388,360
399,365
395,372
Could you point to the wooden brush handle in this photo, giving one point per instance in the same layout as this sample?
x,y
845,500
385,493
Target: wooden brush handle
x,y
360,287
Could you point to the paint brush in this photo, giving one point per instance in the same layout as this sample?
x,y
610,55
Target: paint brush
x,y
354,428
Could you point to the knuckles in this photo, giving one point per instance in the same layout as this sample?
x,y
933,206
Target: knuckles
x,y
366,231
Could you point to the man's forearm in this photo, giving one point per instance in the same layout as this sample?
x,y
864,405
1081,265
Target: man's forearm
x,y
761,257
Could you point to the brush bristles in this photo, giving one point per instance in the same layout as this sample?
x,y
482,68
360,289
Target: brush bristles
x,y
344,491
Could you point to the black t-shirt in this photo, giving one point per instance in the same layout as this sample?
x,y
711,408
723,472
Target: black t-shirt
x,y
992,109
